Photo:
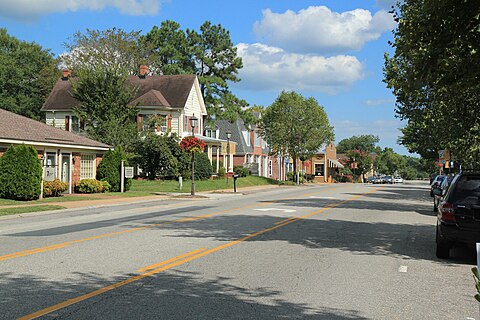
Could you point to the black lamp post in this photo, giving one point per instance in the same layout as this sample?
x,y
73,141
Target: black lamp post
x,y
193,124
229,135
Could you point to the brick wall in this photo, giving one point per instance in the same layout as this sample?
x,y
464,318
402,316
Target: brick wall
x,y
76,167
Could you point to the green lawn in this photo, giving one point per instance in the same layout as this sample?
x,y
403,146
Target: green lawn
x,y
147,187
18,210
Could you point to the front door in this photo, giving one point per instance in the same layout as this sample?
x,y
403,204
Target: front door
x,y
65,167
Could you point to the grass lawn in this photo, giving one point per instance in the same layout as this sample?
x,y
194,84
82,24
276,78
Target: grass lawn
x,y
142,188
17,210
148,187
7,202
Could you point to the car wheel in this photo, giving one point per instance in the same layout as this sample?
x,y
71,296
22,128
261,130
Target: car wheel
x,y
443,248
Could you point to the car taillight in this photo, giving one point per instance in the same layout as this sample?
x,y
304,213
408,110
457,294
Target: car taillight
x,y
446,212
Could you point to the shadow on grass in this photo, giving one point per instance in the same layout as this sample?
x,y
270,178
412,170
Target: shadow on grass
x,y
169,295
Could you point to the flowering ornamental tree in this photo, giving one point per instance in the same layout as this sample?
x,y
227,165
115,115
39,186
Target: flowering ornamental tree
x,y
192,144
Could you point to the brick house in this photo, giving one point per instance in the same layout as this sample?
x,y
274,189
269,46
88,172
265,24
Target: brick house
x,y
324,164
65,155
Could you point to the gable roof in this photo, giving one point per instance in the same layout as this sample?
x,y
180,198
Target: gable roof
x,y
164,90
17,128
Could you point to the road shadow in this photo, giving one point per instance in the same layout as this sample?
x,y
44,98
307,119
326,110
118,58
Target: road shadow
x,y
168,295
105,223
410,241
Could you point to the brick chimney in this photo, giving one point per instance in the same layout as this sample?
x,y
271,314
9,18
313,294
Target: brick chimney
x,y
143,71
66,74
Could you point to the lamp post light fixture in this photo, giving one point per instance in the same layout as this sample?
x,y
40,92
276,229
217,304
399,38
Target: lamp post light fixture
x,y
193,124
229,135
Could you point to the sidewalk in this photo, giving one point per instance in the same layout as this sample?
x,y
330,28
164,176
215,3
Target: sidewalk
x,y
118,200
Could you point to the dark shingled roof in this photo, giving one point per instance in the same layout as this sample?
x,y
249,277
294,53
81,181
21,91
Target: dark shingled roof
x,y
167,91
17,127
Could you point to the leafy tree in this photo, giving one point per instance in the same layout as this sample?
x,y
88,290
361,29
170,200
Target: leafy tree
x,y
170,50
104,105
364,143
20,173
109,169
216,62
296,126
361,160
27,75
435,76
155,157
389,162
115,50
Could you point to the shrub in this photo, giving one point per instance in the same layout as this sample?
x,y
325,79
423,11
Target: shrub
x,y
20,173
345,178
109,169
309,177
54,188
106,185
89,186
214,165
155,157
221,171
203,167
241,171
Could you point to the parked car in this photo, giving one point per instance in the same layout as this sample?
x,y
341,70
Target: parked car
x,y
458,218
388,179
439,193
397,179
436,183
377,180
370,179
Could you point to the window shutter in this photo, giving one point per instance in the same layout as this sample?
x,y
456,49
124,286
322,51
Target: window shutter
x,y
67,123
169,122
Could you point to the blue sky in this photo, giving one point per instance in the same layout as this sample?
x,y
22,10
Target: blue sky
x,y
330,50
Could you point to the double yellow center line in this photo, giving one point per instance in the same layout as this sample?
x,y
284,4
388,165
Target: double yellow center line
x,y
179,260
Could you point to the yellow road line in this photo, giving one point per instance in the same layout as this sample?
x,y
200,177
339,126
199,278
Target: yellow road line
x,y
153,266
202,253
110,234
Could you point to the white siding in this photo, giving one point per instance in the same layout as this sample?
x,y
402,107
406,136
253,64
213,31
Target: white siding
x,y
192,107
176,123
57,119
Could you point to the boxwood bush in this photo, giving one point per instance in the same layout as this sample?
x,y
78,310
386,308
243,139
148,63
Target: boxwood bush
x,y
20,173
109,169
203,167
54,188
89,186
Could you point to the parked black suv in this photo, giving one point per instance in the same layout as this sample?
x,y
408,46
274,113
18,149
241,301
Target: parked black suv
x,y
458,218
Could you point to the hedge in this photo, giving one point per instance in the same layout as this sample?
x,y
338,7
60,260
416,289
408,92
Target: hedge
x,y
20,173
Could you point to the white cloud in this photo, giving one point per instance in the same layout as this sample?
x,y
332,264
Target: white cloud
x,y
271,68
32,9
320,30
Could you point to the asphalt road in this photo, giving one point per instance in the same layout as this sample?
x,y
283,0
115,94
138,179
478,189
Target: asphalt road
x,y
336,251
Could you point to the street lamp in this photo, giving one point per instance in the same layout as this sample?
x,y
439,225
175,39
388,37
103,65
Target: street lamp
x,y
229,135
193,124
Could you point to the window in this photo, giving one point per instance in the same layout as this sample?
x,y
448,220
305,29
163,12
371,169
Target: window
x,y
87,166
257,140
211,133
76,125
246,137
319,169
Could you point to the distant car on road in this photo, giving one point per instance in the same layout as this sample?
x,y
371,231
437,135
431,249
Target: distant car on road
x,y
397,179
458,218
388,179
